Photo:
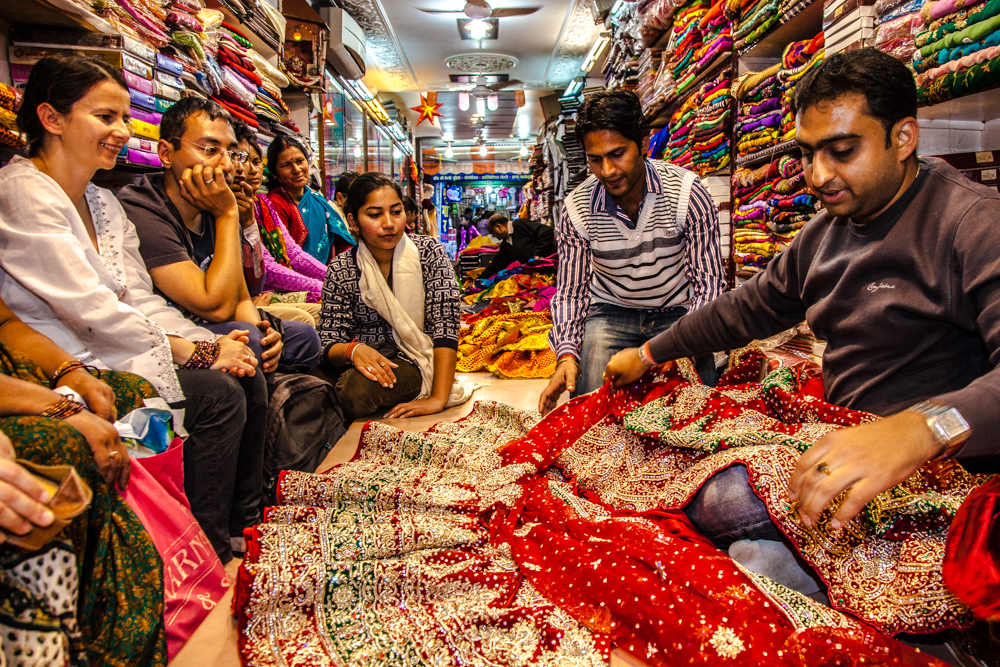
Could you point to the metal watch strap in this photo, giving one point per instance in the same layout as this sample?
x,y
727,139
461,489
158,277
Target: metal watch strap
x,y
949,427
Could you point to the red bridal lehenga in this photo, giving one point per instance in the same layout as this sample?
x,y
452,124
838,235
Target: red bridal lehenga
x,y
503,540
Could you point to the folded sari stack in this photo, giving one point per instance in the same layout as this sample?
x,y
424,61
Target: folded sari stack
x,y
798,59
505,541
753,240
752,20
686,37
897,25
759,116
791,204
958,52
679,149
710,126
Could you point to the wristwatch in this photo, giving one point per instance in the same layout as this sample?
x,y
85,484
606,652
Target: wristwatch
x,y
946,423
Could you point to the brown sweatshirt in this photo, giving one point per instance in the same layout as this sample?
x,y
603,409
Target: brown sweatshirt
x,y
909,304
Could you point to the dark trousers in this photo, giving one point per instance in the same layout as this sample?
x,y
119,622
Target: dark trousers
x,y
225,418
301,344
361,397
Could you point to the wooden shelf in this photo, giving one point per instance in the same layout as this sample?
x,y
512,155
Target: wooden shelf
x,y
53,14
767,153
805,24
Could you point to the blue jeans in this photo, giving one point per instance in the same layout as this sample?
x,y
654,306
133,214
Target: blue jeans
x,y
611,329
301,347
726,509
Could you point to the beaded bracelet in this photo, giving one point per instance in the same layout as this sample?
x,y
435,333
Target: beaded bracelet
x,y
64,408
68,367
644,355
205,354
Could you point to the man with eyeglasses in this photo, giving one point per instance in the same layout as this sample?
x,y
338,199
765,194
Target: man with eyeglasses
x,y
188,221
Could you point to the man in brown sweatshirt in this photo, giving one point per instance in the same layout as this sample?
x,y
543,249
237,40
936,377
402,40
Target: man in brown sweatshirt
x,y
900,274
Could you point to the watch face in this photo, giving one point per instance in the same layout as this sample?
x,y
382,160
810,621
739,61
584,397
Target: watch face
x,y
953,423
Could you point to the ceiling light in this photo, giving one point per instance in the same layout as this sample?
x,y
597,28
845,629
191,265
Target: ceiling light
x,y
619,6
493,102
448,153
480,106
478,29
396,153
357,151
595,52
463,100
524,151
574,87
482,150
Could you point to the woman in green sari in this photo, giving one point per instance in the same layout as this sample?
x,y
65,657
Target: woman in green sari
x,y
93,596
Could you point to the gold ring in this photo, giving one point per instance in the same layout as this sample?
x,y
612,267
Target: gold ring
x,y
112,454
823,468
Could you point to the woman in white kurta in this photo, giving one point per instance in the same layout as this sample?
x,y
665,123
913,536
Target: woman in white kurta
x,y
70,268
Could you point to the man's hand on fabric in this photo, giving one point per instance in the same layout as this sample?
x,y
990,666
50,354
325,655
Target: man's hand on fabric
x,y
863,461
564,379
625,368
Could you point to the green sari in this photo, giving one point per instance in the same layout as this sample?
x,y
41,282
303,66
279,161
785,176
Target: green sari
x,y
112,614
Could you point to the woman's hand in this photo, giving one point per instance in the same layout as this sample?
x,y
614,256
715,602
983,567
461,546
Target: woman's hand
x,y
99,397
110,455
235,357
374,366
421,406
22,497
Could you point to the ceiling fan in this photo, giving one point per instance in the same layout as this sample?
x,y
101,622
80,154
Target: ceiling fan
x,y
483,90
480,9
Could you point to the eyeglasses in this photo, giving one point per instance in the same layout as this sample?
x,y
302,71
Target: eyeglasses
x,y
239,157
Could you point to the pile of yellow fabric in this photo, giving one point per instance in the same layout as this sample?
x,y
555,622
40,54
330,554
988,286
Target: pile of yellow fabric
x,y
509,345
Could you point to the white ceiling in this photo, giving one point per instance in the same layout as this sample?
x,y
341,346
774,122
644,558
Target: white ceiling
x,y
407,49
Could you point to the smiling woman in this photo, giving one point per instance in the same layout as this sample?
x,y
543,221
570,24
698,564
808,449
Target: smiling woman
x,y
312,222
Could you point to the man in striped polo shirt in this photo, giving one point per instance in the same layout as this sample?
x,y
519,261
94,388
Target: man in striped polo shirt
x,y
638,246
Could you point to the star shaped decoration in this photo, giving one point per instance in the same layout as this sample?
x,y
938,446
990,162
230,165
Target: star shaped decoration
x,y
428,109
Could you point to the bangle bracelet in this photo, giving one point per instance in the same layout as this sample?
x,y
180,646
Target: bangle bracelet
x,y
62,409
68,367
205,354
644,355
349,352
568,357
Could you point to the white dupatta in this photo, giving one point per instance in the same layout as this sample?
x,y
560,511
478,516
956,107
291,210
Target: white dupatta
x,y
403,308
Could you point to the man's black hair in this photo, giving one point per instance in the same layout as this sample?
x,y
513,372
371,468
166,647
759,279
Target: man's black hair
x,y
409,205
174,118
345,182
244,132
615,110
887,86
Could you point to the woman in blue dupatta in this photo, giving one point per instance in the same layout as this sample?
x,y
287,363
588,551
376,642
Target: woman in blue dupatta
x,y
311,220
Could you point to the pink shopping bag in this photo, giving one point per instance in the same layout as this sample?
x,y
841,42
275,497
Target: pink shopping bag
x,y
194,579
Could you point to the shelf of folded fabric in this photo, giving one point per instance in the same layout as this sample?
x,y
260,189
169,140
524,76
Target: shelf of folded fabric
x,y
265,45
53,14
804,21
722,61
767,153
981,104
